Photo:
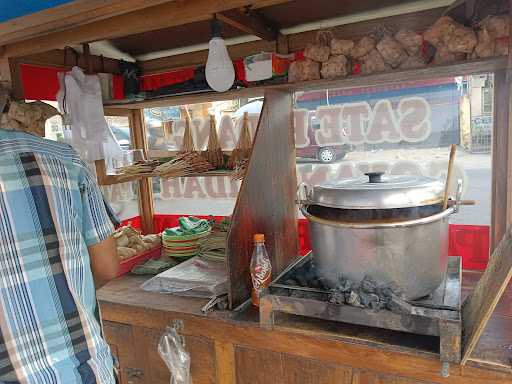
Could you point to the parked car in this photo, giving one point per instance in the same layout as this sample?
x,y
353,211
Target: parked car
x,y
324,154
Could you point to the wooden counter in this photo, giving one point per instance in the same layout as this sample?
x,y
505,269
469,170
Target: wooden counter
x,y
232,348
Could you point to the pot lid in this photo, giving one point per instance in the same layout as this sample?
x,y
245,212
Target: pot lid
x,y
379,191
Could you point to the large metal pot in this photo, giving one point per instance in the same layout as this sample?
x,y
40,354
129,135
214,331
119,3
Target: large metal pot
x,y
392,229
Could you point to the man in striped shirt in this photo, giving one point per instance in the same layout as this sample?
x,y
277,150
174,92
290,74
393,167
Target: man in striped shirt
x,y
55,236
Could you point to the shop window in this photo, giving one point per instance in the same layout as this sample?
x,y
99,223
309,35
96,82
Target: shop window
x,y
165,127
487,100
398,129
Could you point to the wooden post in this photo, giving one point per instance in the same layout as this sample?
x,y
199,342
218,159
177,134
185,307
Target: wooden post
x,y
500,159
266,201
139,140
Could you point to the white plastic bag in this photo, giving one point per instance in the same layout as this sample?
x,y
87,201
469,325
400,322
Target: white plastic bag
x,y
80,100
171,349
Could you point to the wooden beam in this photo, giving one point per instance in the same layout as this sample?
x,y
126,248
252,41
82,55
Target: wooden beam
x,y
480,305
139,140
199,57
165,15
417,21
5,72
250,22
61,58
67,15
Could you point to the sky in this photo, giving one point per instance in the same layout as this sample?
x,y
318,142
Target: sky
x,y
10,9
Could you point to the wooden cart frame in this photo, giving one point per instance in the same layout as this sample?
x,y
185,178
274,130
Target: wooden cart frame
x,y
271,176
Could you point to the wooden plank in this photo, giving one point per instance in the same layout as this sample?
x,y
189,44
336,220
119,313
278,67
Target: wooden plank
x,y
479,306
500,155
467,67
368,377
182,12
67,59
249,22
266,200
254,367
145,195
417,21
199,57
68,15
225,363
201,350
123,301
307,371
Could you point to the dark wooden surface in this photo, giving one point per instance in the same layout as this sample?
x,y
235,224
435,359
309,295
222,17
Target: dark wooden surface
x,y
500,155
388,355
266,200
481,303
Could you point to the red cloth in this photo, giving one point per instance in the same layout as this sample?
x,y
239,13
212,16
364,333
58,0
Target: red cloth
x,y
118,87
42,83
471,242
152,82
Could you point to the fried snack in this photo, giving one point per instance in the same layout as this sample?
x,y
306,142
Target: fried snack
x,y
362,47
341,47
410,40
392,51
335,67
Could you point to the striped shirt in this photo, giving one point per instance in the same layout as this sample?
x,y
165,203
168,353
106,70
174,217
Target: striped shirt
x,y
50,211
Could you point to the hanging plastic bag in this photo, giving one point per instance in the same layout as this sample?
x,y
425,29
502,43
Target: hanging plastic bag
x,y
171,349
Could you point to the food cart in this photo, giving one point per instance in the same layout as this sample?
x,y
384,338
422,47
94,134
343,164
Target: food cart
x,y
240,344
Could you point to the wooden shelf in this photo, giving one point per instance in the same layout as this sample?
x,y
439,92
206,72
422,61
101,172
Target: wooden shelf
x,y
466,67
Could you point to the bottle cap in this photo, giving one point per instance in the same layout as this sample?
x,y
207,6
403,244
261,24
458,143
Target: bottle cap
x,y
259,237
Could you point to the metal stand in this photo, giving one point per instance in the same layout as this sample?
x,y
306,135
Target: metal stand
x,y
438,315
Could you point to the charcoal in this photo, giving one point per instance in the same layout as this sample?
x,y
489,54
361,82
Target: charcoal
x,y
345,285
290,282
368,285
399,305
337,297
354,299
302,280
369,300
326,284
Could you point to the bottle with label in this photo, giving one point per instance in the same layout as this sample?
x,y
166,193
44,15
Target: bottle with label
x,y
261,269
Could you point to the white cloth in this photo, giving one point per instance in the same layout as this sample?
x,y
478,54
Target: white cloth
x,y
80,98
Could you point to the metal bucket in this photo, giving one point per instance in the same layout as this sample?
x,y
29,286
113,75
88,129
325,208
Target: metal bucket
x,y
411,255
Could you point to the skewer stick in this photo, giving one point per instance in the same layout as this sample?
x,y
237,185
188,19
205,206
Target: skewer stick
x,y
449,175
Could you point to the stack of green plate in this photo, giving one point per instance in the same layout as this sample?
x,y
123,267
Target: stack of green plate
x,y
182,246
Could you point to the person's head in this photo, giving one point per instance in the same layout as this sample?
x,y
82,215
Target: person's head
x,y
22,116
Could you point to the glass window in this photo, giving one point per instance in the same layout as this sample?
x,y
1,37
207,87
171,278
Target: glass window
x,y
404,128
197,195
487,99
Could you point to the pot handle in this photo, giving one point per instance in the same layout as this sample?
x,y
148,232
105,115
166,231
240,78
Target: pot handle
x,y
302,194
458,196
